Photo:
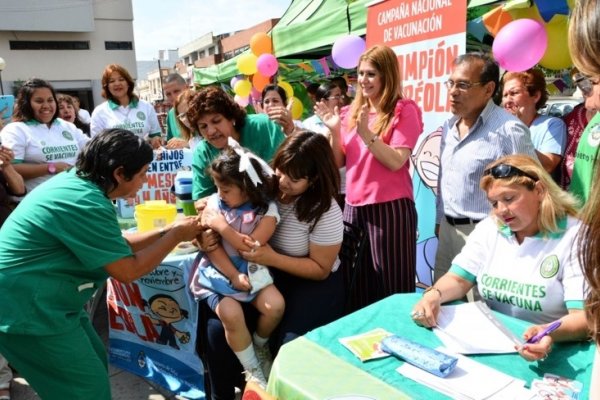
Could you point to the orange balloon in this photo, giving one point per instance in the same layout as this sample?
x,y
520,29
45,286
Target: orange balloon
x,y
260,43
260,81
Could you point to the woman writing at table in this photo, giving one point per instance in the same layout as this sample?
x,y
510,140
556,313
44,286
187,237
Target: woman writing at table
x,y
521,257
61,243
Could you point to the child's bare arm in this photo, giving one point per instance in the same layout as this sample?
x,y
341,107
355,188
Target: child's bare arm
x,y
221,261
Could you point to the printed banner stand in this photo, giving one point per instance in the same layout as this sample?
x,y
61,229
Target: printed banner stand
x,y
152,328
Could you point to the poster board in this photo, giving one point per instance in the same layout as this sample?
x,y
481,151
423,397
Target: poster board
x,y
152,328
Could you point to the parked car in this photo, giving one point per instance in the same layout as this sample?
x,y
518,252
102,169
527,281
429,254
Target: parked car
x,y
559,106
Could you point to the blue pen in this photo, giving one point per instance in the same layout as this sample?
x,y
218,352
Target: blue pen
x,y
549,329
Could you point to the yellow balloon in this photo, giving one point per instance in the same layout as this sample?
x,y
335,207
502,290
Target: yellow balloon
x,y
571,4
557,54
297,108
246,64
289,90
242,88
530,12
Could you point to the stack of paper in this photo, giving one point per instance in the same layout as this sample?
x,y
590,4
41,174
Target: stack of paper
x,y
470,381
470,328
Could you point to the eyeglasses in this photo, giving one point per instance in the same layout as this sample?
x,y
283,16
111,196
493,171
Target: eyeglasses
x,y
584,83
340,97
503,171
462,85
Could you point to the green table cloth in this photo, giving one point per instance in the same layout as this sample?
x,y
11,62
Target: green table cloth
x,y
318,366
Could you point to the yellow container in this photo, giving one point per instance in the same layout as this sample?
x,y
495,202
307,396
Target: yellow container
x,y
154,214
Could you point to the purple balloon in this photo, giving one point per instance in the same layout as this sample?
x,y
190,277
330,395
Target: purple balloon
x,y
234,80
520,44
267,64
347,50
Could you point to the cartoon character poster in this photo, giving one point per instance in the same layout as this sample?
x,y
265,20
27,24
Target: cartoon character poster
x,y
426,37
152,328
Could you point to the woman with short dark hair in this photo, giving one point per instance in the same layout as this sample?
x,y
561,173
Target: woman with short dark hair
x,y
57,248
217,117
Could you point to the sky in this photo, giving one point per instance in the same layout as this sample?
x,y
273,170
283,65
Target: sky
x,y
167,24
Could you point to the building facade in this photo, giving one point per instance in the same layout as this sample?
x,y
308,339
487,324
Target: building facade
x,y
67,42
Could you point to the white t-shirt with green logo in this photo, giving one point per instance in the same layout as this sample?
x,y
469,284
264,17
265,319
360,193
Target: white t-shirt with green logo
x,y
36,143
537,281
138,117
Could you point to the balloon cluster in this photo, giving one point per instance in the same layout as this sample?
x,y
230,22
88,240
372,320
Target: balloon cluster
x,y
257,68
522,36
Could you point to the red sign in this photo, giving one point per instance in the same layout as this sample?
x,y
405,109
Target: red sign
x,y
400,22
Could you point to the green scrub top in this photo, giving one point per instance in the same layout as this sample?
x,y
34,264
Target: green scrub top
x,y
172,127
53,250
585,159
259,134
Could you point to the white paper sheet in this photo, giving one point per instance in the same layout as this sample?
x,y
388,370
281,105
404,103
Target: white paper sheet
x,y
470,380
465,329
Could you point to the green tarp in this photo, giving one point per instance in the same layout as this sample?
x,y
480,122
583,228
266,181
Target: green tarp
x,y
307,30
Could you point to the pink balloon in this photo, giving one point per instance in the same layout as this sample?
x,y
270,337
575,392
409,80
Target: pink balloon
x,y
242,101
255,94
347,50
267,64
520,44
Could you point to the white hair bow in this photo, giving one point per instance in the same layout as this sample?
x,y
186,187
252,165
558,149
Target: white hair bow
x,y
246,165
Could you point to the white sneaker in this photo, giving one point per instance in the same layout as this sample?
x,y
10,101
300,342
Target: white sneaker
x,y
256,375
265,359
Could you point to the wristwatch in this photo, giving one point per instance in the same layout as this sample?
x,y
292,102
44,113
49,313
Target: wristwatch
x,y
51,168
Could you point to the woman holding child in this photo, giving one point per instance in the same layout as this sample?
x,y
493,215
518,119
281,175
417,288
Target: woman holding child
x,y
302,254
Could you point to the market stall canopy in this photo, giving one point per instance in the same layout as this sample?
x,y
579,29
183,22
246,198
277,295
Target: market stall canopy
x,y
309,28
306,31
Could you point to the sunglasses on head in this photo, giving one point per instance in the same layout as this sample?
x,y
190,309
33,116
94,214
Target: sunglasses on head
x,y
584,83
503,171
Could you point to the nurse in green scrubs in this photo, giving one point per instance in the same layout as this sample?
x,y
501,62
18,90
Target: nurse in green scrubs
x,y
59,245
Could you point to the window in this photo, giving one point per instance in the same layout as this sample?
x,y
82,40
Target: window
x,y
49,45
118,45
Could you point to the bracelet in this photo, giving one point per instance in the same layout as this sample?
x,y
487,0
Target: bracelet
x,y
430,288
373,140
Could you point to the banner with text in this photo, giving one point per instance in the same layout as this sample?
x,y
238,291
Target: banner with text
x,y
161,175
152,328
160,178
427,35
